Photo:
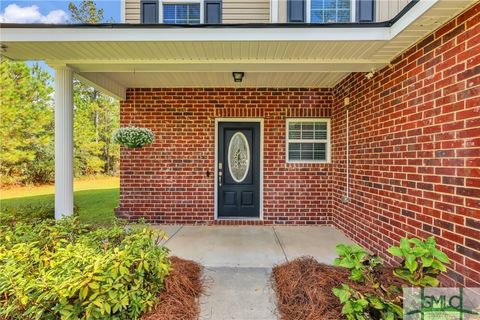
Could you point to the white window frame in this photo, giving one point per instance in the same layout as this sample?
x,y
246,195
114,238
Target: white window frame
x,y
162,2
353,10
327,141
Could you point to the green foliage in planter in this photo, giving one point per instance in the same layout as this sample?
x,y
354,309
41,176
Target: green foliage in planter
x,y
67,270
133,137
422,261
360,263
358,306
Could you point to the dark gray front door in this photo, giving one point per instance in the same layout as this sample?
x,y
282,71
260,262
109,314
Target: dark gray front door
x,y
238,169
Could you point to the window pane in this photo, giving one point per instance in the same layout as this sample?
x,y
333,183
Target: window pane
x,y
294,151
306,148
329,4
181,13
330,11
343,16
343,4
320,151
321,130
307,152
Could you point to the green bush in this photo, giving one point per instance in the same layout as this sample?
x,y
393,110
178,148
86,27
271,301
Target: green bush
x,y
361,264
67,270
422,263
30,213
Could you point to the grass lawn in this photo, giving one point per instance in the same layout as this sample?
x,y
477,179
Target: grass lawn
x,y
95,197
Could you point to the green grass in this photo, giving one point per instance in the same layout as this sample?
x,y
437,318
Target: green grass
x,y
95,206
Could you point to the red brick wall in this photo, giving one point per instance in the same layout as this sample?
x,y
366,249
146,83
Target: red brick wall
x,y
415,149
167,182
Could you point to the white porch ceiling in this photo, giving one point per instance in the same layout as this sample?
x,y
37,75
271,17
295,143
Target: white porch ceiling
x,y
114,59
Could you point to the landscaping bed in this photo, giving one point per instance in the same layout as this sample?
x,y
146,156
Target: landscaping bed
x,y
304,288
182,289
359,286
69,270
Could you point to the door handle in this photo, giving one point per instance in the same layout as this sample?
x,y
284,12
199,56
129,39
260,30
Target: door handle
x,y
220,174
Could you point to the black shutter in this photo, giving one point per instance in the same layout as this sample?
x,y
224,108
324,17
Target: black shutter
x,y
366,11
149,11
296,11
213,11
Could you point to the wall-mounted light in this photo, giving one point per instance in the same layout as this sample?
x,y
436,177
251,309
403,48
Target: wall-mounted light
x,y
238,76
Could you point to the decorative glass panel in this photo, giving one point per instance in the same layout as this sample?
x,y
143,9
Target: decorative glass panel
x,y
238,157
184,13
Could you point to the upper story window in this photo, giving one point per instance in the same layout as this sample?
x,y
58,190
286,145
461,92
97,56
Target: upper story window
x,y
181,13
330,11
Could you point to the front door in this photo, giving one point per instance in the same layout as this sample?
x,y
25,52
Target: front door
x,y
238,170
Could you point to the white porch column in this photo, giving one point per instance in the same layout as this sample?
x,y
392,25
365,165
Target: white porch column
x,y
63,142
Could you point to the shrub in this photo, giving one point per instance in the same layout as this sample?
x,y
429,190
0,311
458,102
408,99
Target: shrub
x,y
30,213
133,137
358,306
52,270
422,261
361,264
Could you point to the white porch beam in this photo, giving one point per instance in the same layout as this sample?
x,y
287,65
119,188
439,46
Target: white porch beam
x,y
88,68
103,84
63,142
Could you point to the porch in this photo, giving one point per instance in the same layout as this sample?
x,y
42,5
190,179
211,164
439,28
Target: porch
x,y
238,262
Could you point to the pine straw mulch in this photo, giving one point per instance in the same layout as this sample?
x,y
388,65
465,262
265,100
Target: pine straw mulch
x,y
179,299
304,289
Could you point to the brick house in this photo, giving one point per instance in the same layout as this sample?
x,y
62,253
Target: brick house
x,y
365,116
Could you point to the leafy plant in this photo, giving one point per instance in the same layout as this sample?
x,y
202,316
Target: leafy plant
x,y
354,304
422,261
360,263
358,306
133,137
68,270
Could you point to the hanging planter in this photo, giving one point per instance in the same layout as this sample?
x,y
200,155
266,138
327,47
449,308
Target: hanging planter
x,y
133,137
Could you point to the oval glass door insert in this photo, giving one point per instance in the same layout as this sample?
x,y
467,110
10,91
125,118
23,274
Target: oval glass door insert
x,y
238,157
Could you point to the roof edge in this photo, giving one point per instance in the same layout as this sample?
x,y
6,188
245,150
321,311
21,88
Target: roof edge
x,y
382,24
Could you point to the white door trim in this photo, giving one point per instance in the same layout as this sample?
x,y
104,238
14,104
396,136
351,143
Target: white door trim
x,y
215,170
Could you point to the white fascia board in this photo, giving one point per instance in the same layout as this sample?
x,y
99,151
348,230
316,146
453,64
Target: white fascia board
x,y
410,16
193,34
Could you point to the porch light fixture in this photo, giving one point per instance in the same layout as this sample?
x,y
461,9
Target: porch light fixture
x,y
238,76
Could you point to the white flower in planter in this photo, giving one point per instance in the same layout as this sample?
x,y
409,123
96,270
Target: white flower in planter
x,y
133,137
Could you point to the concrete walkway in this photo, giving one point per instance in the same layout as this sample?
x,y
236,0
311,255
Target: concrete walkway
x,y
238,261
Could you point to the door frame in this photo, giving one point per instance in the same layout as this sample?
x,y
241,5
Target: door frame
x,y
215,170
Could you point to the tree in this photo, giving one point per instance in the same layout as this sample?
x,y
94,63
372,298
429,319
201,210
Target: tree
x,y
86,12
96,115
26,111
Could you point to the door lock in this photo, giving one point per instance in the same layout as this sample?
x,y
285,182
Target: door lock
x,y
220,173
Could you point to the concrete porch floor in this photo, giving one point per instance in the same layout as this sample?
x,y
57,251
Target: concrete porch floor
x,y
238,261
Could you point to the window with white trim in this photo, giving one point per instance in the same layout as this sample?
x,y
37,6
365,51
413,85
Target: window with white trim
x,y
308,140
181,13
330,11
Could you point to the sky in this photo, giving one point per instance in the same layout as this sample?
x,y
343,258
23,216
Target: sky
x,y
37,11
